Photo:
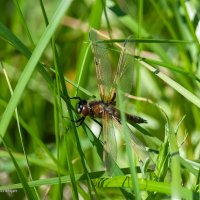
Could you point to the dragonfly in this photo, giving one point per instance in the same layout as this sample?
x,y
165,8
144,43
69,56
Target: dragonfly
x,y
109,79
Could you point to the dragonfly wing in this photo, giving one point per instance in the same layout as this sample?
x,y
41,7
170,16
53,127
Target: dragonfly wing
x,y
109,139
124,75
102,62
137,145
139,148
119,74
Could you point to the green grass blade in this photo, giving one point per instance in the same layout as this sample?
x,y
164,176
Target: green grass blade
x,y
18,125
180,89
131,156
31,194
95,19
26,75
7,35
112,182
175,165
23,22
189,22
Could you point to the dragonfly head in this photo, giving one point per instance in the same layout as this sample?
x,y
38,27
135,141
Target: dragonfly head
x,y
82,107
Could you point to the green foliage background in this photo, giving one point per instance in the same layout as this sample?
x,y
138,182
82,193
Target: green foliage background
x,y
45,53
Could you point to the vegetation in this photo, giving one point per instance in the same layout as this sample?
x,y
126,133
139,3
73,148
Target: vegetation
x,y
46,58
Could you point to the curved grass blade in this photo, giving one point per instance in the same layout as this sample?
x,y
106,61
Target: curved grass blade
x,y
180,89
29,69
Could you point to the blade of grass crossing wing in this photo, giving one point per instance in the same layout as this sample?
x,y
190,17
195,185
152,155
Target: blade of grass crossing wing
x,y
131,157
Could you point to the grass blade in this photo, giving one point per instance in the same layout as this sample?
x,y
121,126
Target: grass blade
x,y
29,69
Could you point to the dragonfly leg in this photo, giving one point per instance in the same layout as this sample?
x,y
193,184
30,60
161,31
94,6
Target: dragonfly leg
x,y
78,98
80,121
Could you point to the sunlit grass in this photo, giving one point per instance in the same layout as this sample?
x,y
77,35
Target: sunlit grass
x,y
66,161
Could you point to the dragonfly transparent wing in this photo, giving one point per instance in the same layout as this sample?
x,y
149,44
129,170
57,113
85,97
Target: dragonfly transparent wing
x,y
137,145
139,148
111,73
102,62
109,140
124,73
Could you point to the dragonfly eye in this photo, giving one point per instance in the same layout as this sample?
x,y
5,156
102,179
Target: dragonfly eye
x,y
82,107
79,109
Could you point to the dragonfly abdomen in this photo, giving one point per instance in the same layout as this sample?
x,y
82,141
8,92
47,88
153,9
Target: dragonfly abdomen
x,y
114,112
135,119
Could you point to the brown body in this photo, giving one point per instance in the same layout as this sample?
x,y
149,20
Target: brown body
x,y
96,109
